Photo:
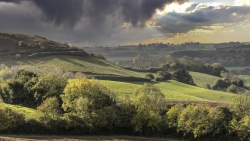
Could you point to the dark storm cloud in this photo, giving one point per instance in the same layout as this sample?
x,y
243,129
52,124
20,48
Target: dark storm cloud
x,y
82,20
136,12
183,22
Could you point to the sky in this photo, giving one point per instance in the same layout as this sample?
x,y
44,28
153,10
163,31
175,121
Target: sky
x,y
125,22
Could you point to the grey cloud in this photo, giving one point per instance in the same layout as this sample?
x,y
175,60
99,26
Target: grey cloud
x,y
93,21
183,22
192,7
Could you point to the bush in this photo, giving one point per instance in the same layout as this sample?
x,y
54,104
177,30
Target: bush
x,y
18,56
207,86
22,44
221,84
163,75
232,89
149,76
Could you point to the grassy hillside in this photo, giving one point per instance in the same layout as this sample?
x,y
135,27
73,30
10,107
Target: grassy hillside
x,y
27,112
86,65
172,90
202,79
246,79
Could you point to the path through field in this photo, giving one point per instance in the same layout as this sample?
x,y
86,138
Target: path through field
x,y
58,138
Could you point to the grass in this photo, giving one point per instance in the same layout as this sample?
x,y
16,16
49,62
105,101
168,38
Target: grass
x,y
86,64
246,79
202,79
27,112
172,90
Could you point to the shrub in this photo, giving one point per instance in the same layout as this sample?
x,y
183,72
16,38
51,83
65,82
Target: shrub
x,y
18,56
207,86
221,84
232,89
164,75
149,76
22,44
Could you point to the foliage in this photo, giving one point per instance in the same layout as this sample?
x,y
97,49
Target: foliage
x,y
164,75
233,89
220,84
173,115
82,89
17,56
22,44
20,88
148,103
200,120
183,76
240,124
49,85
149,76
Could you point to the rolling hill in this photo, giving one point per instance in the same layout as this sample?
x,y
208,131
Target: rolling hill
x,y
172,90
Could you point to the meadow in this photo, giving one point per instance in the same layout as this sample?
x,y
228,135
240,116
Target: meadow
x,y
172,90
85,65
202,79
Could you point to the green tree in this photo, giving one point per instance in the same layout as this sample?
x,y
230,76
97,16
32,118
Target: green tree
x,y
149,76
48,112
200,120
183,76
82,90
148,104
173,115
20,88
49,85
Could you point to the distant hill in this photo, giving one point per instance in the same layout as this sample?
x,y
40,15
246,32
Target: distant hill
x,y
15,47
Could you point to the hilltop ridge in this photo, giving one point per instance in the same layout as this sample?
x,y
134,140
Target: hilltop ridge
x,y
20,46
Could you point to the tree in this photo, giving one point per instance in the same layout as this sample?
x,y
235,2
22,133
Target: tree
x,y
148,103
49,110
183,76
88,91
240,123
49,85
163,75
20,88
149,76
200,120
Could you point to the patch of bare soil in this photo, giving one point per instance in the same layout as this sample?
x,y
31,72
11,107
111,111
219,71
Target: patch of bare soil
x,y
3,138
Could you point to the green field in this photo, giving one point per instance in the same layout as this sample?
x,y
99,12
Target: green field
x,y
86,64
246,79
172,90
202,79
27,112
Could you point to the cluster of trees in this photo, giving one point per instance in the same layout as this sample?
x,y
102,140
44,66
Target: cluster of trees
x,y
231,56
229,82
86,107
171,63
179,75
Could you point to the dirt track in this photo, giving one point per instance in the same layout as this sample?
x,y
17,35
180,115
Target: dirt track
x,y
2,138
